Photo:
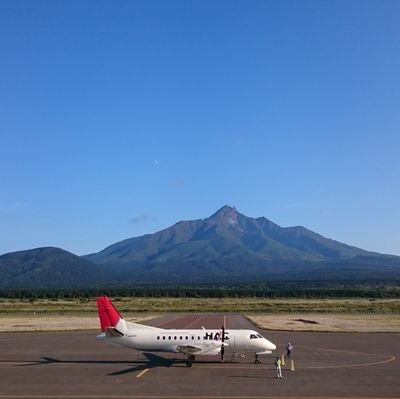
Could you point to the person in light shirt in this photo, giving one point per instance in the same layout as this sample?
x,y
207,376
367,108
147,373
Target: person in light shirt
x,y
278,366
289,349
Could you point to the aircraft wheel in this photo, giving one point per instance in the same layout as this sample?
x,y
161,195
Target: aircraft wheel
x,y
257,361
191,358
188,363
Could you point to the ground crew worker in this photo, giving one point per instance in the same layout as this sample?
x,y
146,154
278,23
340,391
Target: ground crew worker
x,y
278,366
289,349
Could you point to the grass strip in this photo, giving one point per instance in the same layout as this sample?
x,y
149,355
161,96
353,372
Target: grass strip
x,y
204,305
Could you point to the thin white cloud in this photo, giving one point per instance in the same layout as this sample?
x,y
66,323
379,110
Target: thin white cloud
x,y
177,183
143,218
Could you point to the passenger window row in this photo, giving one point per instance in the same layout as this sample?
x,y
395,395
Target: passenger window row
x,y
164,337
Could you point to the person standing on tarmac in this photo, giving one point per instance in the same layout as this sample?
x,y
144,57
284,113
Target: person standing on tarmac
x,y
278,366
289,349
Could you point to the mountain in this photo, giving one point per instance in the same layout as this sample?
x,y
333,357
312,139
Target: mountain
x,y
229,247
228,235
225,247
47,268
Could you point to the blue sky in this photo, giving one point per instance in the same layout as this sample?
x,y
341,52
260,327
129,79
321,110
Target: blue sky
x,y
120,118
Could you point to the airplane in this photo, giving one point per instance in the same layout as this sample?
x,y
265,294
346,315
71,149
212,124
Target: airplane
x,y
191,342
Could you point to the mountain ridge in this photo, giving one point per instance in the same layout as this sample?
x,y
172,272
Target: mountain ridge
x,y
225,230
224,247
50,265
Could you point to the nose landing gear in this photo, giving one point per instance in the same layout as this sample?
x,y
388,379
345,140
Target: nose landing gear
x,y
190,361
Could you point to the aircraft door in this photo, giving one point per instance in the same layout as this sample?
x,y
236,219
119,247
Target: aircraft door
x,y
231,344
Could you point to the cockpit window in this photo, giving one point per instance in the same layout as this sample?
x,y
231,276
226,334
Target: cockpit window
x,y
253,336
259,336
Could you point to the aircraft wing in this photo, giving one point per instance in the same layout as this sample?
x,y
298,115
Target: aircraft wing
x,y
189,349
211,348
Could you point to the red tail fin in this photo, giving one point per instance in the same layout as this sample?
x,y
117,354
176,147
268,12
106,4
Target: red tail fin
x,y
109,316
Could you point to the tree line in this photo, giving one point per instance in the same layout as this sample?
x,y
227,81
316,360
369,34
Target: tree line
x,y
258,290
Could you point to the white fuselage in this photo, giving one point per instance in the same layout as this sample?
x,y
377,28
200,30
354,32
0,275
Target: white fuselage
x,y
196,341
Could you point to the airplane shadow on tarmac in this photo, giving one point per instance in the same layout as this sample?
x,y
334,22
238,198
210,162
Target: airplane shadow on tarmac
x,y
153,361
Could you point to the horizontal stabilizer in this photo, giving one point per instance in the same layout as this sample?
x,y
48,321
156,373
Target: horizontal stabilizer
x,y
113,332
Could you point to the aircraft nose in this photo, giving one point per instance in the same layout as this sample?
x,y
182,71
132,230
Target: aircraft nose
x,y
270,346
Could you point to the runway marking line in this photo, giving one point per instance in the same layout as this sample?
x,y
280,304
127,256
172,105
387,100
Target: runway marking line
x,y
188,325
341,351
177,319
142,373
238,366
386,360
185,397
194,322
352,365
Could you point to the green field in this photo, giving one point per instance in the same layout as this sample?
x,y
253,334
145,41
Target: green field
x,y
226,305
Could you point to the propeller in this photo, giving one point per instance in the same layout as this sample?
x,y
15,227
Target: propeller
x,y
223,341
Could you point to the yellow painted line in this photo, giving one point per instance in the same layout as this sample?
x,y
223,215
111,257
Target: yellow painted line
x,y
187,397
142,373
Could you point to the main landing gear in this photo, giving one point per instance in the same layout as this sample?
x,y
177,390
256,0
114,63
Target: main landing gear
x,y
190,360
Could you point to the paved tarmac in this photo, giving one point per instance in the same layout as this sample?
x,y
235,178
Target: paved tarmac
x,y
77,365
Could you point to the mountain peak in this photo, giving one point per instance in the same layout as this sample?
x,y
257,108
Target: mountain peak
x,y
227,217
225,211
227,214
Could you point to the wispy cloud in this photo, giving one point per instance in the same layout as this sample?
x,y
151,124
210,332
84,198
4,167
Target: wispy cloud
x,y
143,218
177,183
